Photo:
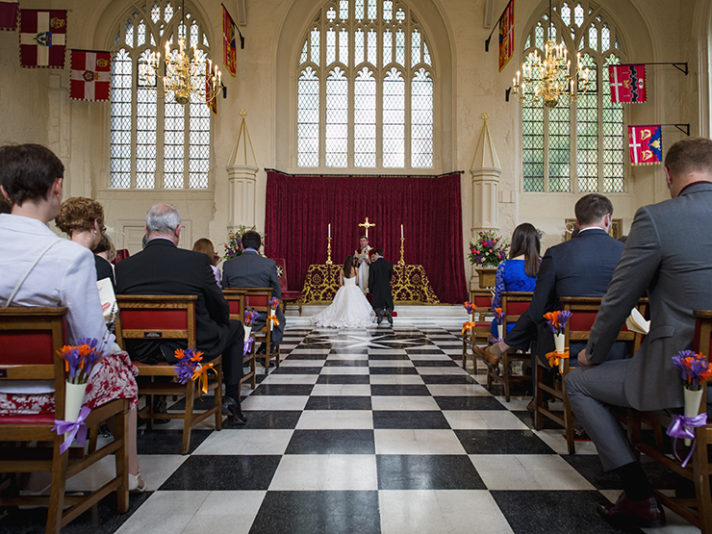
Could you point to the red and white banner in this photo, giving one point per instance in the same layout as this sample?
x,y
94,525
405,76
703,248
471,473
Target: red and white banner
x,y
43,37
628,84
90,78
229,44
8,14
506,35
645,144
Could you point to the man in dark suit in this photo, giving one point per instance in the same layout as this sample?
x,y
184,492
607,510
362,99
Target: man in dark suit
x,y
252,270
581,267
668,255
164,269
379,285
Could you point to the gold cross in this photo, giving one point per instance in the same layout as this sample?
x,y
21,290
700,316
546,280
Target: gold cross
x,y
366,225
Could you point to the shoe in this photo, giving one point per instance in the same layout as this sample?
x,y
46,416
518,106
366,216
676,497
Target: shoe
x,y
232,408
379,320
389,318
136,483
490,355
646,513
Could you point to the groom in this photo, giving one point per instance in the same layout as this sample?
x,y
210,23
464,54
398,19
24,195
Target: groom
x,y
379,285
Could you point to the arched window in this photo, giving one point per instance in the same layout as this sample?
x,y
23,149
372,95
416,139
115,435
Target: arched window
x,y
156,143
365,88
576,146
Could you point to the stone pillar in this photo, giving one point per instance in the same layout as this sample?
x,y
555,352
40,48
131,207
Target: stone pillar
x,y
485,172
242,178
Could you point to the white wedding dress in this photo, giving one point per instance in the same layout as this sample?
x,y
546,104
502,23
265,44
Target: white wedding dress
x,y
349,309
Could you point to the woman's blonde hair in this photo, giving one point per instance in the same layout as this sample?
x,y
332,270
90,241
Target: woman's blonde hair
x,y
205,246
78,214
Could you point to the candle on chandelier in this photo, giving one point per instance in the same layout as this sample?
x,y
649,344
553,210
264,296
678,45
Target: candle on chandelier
x,y
401,231
329,231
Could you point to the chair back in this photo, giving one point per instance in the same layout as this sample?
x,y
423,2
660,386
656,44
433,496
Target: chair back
x,y
156,317
258,298
584,311
281,265
703,332
236,300
514,304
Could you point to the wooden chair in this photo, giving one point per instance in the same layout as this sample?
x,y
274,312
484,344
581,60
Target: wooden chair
x,y
236,299
514,304
167,317
584,310
482,300
697,511
30,338
258,299
288,296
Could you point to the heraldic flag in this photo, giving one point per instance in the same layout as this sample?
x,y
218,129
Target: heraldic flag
x,y
646,144
506,35
229,44
43,37
90,78
8,14
627,84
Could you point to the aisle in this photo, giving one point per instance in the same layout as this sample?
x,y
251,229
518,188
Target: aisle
x,y
362,432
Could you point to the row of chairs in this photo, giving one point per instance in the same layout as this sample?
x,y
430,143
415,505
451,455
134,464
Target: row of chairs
x,y
698,511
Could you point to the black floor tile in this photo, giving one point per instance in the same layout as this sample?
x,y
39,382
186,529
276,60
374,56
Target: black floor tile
x,y
548,512
307,356
469,403
409,419
266,420
448,379
502,442
434,363
283,389
419,472
339,402
306,370
331,442
343,379
393,371
382,356
660,478
348,350
399,389
332,512
346,363
203,472
434,350
527,418
158,441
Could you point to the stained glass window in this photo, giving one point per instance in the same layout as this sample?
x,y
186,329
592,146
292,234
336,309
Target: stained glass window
x,y
577,146
156,142
365,88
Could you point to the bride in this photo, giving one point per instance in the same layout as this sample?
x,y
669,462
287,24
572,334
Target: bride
x,y
350,308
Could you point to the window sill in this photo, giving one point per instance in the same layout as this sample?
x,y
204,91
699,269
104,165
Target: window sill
x,y
162,194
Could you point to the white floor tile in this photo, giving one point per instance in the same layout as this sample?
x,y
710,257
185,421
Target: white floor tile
x,y
390,363
457,390
301,363
429,357
246,441
341,389
555,439
226,511
398,380
164,512
528,472
421,441
345,356
403,402
290,379
483,420
346,370
335,419
320,472
275,402
449,370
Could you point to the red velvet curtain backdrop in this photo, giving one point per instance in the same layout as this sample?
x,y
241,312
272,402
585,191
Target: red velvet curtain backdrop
x,y
299,208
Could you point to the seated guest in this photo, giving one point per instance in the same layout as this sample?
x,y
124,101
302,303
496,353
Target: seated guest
x,y
41,269
668,255
519,272
106,248
252,270
83,220
205,246
581,267
162,268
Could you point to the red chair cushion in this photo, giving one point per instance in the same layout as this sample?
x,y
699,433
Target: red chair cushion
x,y
482,302
516,308
581,321
34,419
291,295
154,319
26,347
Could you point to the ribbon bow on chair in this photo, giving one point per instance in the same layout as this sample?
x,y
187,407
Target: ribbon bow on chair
x,y
556,357
682,427
467,326
72,429
201,376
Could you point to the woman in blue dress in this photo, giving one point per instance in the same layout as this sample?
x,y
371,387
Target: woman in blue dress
x,y
519,272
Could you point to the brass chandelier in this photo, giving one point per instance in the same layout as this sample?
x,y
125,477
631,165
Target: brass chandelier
x,y
184,71
547,79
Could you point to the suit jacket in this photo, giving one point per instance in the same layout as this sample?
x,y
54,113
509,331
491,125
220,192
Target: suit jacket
x,y
163,269
581,267
379,283
668,254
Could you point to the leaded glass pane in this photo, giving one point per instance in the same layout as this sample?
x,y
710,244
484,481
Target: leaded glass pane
x,y
173,145
415,48
193,35
365,119
372,9
605,38
129,39
358,7
359,48
330,46
303,57
613,142
400,47
387,10
337,114
145,138
533,147
559,146
372,46
344,47
308,119
387,47
315,42
400,15
344,9
141,34
155,12
426,54
393,119
578,15
593,37
539,37
331,14
168,12
587,132
421,120
566,13
120,162
199,141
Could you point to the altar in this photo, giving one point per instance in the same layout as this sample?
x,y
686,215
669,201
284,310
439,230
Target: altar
x,y
410,285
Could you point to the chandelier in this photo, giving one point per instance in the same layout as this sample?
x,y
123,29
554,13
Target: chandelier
x,y
187,71
547,79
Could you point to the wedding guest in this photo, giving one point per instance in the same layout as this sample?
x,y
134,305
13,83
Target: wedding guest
x,y
379,285
41,269
106,248
205,246
83,220
519,272
668,257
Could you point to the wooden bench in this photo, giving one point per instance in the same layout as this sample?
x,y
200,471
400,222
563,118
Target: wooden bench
x,y
236,300
481,299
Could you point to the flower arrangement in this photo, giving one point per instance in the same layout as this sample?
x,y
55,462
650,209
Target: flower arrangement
x,y
557,320
188,363
694,368
233,247
272,318
499,315
79,360
249,318
488,250
469,308
274,303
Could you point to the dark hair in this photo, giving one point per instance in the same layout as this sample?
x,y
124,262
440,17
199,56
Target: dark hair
x,y
525,241
251,239
592,208
78,214
4,205
378,251
28,171
106,245
348,265
689,154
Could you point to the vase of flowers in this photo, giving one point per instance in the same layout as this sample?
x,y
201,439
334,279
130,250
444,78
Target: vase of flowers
x,y
79,360
499,318
695,370
233,246
557,321
486,252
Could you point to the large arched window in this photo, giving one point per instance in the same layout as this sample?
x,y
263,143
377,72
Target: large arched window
x,y
156,143
576,146
365,88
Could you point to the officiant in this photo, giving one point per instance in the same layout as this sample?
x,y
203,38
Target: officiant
x,y
364,260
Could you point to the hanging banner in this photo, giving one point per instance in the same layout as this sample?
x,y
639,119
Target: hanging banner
x,y
645,144
229,44
506,35
8,14
627,84
90,77
43,37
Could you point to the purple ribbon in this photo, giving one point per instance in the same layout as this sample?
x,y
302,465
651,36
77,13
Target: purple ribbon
x,y
684,428
247,348
72,428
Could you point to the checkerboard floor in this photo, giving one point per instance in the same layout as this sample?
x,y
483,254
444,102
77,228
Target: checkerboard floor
x,y
363,431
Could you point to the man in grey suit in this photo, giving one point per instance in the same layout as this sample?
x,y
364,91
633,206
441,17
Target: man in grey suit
x,y
252,270
668,254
